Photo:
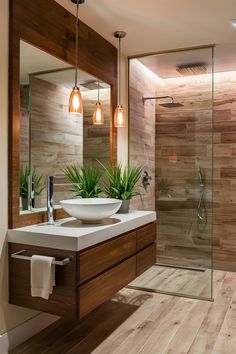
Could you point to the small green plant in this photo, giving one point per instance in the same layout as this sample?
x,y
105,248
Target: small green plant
x,y
121,183
85,180
39,181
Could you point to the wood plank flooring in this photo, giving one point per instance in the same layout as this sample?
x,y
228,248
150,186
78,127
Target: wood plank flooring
x,y
186,282
138,322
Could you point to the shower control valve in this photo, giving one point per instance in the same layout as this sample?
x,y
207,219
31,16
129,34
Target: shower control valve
x,y
145,179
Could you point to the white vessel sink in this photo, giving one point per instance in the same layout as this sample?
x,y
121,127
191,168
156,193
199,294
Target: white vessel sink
x,y
91,210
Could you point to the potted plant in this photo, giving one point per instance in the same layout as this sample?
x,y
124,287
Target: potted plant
x,y
84,179
39,184
121,183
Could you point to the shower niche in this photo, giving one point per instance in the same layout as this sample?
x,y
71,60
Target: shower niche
x,y
171,120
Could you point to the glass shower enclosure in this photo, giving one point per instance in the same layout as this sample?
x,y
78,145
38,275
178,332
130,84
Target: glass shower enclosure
x,y
171,135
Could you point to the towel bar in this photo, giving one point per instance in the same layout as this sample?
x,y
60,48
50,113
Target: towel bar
x,y
19,255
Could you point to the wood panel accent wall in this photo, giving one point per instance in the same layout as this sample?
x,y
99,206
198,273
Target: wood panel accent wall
x,y
143,82
48,26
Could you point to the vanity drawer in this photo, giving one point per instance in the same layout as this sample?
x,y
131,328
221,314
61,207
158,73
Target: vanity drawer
x,y
145,259
145,236
103,287
62,301
100,258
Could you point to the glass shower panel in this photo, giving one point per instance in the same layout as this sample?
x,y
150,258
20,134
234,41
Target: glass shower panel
x,y
177,103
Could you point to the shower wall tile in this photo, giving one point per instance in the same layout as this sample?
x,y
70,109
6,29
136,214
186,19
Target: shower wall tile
x,y
228,138
183,142
143,82
228,172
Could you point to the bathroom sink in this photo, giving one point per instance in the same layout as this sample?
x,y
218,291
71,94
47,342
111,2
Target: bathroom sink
x,y
91,210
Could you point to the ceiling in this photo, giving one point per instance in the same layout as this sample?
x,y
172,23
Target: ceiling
x,y
37,62
165,65
157,25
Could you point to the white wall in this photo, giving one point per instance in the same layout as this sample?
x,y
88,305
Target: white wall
x,y
10,316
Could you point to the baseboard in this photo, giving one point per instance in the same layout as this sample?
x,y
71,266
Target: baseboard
x,y
26,330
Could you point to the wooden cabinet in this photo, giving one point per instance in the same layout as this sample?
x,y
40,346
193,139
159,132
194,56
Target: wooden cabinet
x,y
101,288
63,300
145,236
93,276
99,258
145,259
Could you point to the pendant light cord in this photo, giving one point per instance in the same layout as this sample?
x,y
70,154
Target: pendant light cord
x,y
76,42
119,65
98,92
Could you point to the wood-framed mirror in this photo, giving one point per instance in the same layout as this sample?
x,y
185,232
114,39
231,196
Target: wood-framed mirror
x,y
42,135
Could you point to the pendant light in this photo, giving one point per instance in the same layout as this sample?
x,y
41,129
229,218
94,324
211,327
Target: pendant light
x,y
119,116
98,115
75,101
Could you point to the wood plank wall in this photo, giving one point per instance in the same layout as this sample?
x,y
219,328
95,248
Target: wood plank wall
x,y
182,145
24,125
96,142
57,137
142,128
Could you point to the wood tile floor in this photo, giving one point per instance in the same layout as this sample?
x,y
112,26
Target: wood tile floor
x,y
139,322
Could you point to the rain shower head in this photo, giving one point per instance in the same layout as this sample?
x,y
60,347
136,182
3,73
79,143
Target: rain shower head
x,y
171,104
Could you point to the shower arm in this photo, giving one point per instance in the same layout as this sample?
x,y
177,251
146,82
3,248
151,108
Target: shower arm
x,y
158,98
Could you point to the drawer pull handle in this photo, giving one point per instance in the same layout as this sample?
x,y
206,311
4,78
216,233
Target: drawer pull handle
x,y
19,255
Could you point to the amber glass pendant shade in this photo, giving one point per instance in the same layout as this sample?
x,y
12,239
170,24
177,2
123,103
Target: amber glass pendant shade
x,y
98,115
75,102
119,117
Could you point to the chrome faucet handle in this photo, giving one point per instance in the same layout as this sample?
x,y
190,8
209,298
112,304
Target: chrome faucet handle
x,y
50,201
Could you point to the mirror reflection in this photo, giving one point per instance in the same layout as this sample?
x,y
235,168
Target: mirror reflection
x,y
50,136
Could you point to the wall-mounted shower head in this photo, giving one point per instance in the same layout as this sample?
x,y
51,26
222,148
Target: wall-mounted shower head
x,y
170,104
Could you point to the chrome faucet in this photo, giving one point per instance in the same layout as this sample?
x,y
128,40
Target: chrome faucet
x,y
31,194
50,201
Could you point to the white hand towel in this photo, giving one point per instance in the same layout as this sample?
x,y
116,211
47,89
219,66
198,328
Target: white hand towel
x,y
42,276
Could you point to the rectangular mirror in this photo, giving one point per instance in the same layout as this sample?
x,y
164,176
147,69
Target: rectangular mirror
x,y
50,136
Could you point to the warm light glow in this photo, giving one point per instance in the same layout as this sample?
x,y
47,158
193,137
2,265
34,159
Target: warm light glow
x,y
119,117
75,102
98,116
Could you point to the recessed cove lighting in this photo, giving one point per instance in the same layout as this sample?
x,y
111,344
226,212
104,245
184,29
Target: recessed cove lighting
x,y
233,23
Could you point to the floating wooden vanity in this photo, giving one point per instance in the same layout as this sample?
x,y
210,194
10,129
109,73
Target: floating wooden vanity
x,y
101,264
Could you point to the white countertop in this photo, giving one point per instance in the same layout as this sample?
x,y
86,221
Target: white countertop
x,y
70,234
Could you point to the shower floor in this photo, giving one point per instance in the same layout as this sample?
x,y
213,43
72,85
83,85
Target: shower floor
x,y
185,282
